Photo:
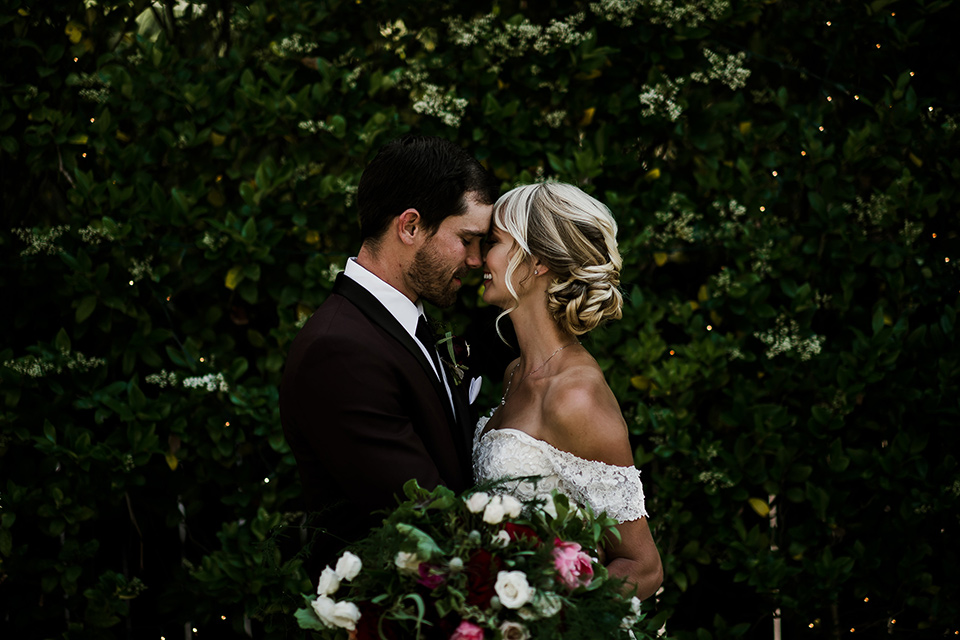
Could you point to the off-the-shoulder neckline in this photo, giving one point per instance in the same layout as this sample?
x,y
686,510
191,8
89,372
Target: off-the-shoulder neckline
x,y
508,430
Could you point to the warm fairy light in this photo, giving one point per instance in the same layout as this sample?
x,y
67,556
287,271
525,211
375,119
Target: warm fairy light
x,y
168,298
83,155
131,283
226,424
810,625
803,153
894,621
893,13
223,617
821,127
709,327
672,352
852,630
829,98
266,481
866,599
763,209
774,173
194,629
878,46
946,259
930,109
934,235
912,74
829,23
92,120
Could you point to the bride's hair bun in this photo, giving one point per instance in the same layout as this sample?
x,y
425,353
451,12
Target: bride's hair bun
x,y
576,237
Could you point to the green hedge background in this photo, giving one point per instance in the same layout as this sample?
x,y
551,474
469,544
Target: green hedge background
x,y
178,186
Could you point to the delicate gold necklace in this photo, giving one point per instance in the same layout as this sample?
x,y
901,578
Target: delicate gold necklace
x,y
503,398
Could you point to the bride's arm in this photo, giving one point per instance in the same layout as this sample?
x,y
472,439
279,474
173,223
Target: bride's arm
x,y
585,419
635,557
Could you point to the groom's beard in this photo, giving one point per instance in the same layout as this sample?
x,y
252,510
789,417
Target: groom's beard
x,y
433,278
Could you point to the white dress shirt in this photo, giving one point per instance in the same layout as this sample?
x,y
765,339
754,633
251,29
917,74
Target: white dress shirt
x,y
400,307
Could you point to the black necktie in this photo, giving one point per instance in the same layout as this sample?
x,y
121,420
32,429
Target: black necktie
x,y
426,337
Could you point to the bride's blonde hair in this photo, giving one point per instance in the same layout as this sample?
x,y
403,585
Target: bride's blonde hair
x,y
576,237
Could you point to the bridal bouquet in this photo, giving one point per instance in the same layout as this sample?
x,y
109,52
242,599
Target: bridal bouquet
x,y
471,567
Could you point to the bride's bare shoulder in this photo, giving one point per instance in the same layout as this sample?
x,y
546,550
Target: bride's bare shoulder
x,y
584,417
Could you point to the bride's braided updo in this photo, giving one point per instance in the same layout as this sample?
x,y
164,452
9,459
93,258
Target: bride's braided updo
x,y
576,237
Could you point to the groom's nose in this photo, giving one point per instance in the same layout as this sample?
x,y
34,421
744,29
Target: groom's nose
x,y
474,256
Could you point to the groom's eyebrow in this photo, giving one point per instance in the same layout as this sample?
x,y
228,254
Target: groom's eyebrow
x,y
473,233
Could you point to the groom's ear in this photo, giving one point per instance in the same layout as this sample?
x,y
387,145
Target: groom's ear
x,y
409,227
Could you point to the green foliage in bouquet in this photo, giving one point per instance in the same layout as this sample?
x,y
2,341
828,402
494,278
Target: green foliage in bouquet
x,y
475,566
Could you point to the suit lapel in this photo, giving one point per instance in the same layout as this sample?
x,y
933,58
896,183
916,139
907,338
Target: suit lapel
x,y
373,309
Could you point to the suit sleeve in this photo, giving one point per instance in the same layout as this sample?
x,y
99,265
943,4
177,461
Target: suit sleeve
x,y
355,408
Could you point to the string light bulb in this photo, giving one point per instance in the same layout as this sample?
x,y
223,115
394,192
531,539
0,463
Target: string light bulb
x,y
803,153
856,97
810,625
672,352
866,599
709,327
226,424
223,617
934,235
762,209
912,74
92,120
266,481
130,283
878,46
829,98
829,23
774,173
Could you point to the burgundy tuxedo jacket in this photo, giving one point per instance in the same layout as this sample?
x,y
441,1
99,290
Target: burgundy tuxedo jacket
x,y
363,412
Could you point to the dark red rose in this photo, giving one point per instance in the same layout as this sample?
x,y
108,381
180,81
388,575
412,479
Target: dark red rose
x,y
369,624
481,569
518,531
429,579
461,350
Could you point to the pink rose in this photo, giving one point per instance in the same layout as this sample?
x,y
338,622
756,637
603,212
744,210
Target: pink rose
x,y
467,631
572,564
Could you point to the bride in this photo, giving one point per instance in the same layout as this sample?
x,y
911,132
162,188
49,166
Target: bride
x,y
552,264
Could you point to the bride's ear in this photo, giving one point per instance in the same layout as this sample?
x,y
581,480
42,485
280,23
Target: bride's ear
x,y
539,267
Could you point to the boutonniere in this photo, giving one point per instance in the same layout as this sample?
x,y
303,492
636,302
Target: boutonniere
x,y
457,351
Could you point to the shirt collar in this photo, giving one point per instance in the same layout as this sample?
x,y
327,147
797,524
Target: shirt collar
x,y
400,307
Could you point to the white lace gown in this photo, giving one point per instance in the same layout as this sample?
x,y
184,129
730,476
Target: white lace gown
x,y
510,453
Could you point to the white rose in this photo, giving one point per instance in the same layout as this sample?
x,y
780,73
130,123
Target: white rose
x,y
337,614
407,562
502,538
513,589
549,507
348,566
511,506
547,604
493,514
329,582
511,630
477,502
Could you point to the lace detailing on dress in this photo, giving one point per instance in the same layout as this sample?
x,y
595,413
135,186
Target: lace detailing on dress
x,y
510,453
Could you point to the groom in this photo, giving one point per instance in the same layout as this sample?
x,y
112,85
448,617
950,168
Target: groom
x,y
365,402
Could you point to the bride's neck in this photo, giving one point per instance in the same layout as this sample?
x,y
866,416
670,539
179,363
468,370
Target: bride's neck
x,y
538,336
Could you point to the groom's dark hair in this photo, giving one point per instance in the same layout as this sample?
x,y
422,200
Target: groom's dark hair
x,y
428,174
